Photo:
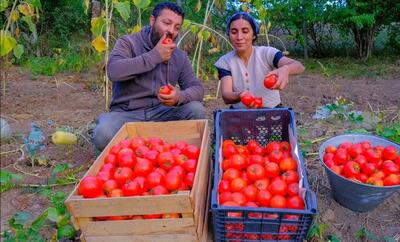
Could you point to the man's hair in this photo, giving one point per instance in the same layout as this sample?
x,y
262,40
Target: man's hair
x,y
167,5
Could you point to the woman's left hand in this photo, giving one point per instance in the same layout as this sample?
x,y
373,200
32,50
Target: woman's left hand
x,y
283,77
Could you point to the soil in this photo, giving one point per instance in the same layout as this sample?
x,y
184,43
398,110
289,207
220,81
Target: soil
x,y
72,100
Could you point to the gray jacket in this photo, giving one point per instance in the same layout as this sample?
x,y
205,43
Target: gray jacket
x,y
137,72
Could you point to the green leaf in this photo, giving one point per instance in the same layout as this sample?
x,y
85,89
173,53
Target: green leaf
x,y
262,13
333,238
206,35
31,25
52,214
61,168
38,223
18,51
194,29
141,4
97,25
35,3
22,217
365,234
389,239
3,5
66,231
7,42
123,9
186,24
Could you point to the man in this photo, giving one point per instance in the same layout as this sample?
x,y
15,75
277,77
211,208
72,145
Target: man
x,y
139,65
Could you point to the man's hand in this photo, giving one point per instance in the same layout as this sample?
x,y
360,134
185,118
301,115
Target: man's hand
x,y
169,99
283,77
165,48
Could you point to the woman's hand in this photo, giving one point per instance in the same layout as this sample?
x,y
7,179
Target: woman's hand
x,y
283,77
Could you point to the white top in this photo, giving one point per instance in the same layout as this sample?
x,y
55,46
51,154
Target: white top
x,y
251,77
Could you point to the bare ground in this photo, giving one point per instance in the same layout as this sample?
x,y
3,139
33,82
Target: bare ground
x,y
69,100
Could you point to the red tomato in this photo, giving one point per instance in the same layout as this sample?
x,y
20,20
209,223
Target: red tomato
x,y
131,188
264,198
278,201
189,179
116,193
103,176
172,181
255,172
272,170
181,144
151,155
126,158
223,186
232,204
115,149
192,152
372,155
345,145
237,184
270,81
165,90
351,169
161,171
366,145
389,167
328,157
251,145
190,165
123,174
224,197
259,150
237,161
256,159
142,183
341,156
361,160
165,160
231,174
287,164
368,168
274,145
171,215
159,190
229,150
109,185
90,187
180,159
354,150
389,153
257,103
330,149
176,151
136,142
278,187
111,158
152,216
275,156
247,99
293,189
167,41
290,176
262,184
392,180
178,170
239,198
154,179
295,202
143,167
141,151
250,192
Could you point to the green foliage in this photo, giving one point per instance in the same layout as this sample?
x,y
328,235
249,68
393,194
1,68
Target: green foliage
x,y
391,132
8,180
317,231
364,234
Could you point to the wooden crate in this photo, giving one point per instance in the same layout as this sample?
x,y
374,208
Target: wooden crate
x,y
193,205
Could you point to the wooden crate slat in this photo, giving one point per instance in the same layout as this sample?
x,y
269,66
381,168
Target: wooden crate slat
x,y
139,227
173,203
145,238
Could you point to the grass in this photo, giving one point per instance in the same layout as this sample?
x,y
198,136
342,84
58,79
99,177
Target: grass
x,y
375,67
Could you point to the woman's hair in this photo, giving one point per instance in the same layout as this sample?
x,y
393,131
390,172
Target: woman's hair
x,y
248,18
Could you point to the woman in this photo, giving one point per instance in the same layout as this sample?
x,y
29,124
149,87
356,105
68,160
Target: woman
x,y
243,70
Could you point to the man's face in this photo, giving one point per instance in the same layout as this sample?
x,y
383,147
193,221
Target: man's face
x,y
167,21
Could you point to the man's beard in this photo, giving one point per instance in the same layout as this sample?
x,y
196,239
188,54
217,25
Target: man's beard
x,y
155,36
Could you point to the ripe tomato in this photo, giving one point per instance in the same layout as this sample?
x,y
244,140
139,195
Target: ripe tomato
x,y
109,185
223,186
153,179
161,171
255,172
290,176
345,145
275,156
126,158
190,165
178,170
159,190
237,161
103,176
131,188
278,201
136,142
172,181
116,193
250,192
228,150
247,99
192,152
270,81
181,144
351,169
231,174
368,168
274,145
262,184
142,183
237,184
341,156
365,145
328,157
392,180
189,179
256,159
90,187
167,41
272,170
287,164
115,149
361,160
257,103
278,187
264,198
232,204
152,216
180,159
389,167
111,158
330,149
151,155
123,174
239,198
372,155
224,197
354,150
141,151
165,160
251,145
389,153
293,189
171,215
143,167
165,90
259,150
295,202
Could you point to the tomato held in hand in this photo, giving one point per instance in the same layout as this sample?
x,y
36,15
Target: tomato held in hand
x,y
165,90
270,81
247,99
167,41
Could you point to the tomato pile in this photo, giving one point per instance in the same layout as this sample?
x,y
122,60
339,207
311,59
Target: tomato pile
x,y
252,102
257,176
141,167
360,162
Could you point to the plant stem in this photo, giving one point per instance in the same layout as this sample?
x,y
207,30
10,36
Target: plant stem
x,y
9,18
46,185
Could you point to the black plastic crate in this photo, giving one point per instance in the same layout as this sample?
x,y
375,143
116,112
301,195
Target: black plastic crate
x,y
260,224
